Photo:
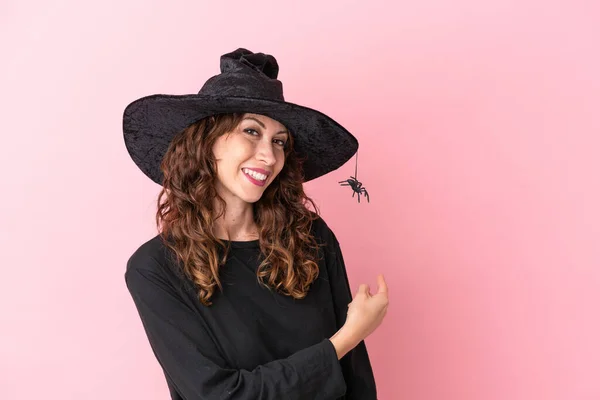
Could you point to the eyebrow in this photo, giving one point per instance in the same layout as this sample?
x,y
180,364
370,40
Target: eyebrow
x,y
264,127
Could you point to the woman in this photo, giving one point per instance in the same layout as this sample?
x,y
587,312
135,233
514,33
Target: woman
x,y
244,293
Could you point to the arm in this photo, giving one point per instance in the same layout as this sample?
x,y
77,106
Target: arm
x,y
189,357
356,365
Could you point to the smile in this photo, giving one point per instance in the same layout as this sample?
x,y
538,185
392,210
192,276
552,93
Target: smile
x,y
255,177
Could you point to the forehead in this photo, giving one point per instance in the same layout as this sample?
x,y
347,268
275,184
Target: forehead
x,y
264,119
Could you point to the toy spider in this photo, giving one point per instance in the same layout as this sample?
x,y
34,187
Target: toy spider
x,y
353,182
356,187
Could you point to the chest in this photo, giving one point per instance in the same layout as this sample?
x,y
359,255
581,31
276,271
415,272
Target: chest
x,y
252,324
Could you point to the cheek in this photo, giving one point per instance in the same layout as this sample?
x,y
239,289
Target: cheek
x,y
230,154
219,149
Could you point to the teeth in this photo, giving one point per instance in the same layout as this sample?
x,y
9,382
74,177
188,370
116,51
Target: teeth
x,y
255,175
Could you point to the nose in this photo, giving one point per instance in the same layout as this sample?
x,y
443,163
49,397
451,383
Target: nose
x,y
265,153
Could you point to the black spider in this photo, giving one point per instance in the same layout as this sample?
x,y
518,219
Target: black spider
x,y
356,186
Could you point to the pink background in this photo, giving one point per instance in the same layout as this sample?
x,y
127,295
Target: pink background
x,y
479,126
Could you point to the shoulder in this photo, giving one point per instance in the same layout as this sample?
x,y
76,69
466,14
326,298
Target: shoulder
x,y
148,253
150,259
322,232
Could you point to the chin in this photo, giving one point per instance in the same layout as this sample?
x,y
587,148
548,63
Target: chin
x,y
252,195
250,198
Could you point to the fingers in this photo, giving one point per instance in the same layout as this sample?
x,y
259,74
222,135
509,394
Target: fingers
x,y
364,290
382,286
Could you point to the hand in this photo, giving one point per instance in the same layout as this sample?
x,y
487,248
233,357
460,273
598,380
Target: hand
x,y
365,314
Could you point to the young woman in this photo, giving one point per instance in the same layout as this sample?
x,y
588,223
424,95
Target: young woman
x,y
244,294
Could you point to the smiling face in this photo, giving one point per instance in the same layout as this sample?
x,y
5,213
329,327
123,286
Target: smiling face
x,y
249,158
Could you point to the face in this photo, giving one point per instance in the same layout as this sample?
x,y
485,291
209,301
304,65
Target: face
x,y
249,158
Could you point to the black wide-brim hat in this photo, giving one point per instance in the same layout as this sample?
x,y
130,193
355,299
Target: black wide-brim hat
x,y
247,84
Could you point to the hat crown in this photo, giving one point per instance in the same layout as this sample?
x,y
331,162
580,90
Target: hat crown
x,y
238,60
246,74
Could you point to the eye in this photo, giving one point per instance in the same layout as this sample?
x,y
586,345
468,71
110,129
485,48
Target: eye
x,y
254,132
280,142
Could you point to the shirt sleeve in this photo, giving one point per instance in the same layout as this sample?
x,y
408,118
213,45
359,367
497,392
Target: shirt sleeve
x,y
356,365
189,358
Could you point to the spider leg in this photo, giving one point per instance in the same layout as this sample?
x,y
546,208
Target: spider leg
x,y
367,195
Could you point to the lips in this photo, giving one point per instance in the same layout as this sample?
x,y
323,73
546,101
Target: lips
x,y
259,170
254,180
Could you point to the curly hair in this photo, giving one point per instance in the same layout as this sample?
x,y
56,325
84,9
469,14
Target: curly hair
x,y
186,214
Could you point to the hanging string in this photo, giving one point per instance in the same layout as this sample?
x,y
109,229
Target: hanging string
x,y
356,166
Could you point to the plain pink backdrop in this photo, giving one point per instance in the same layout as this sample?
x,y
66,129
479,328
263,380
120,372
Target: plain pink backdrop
x,y
479,125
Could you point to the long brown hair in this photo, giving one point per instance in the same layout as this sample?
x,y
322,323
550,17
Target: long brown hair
x,y
186,214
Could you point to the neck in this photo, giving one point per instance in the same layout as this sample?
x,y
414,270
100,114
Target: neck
x,y
237,223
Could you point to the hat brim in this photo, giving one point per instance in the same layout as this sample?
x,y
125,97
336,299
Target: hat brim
x,y
150,123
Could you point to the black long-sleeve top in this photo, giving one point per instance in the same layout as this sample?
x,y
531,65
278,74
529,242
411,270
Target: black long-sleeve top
x,y
251,343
